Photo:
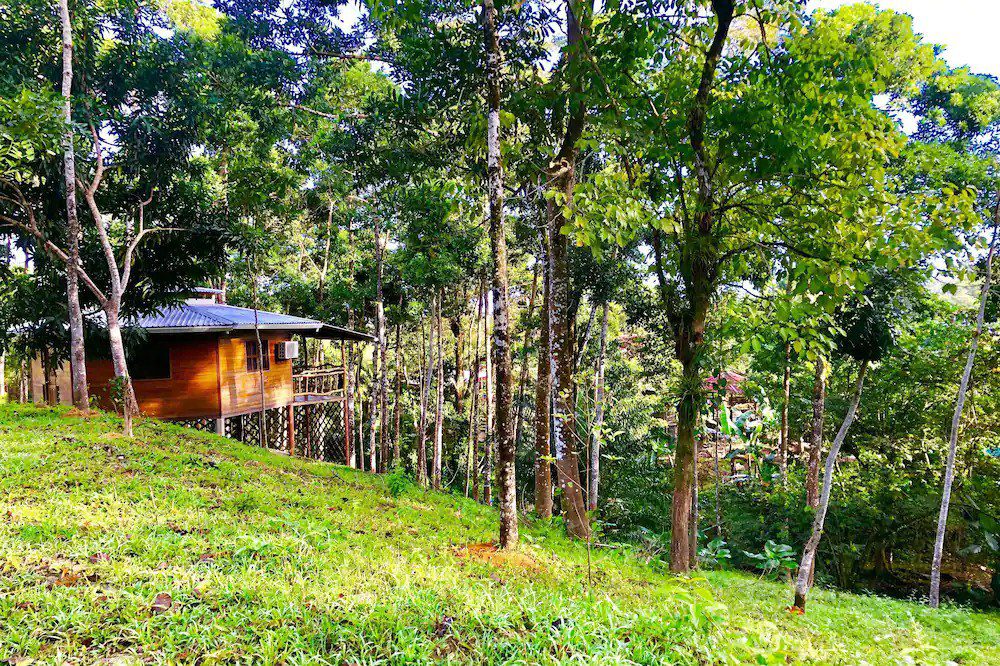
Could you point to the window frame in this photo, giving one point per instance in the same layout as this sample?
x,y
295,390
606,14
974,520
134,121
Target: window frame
x,y
251,351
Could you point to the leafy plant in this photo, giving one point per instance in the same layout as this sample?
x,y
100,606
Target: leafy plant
x,y
715,553
774,558
397,481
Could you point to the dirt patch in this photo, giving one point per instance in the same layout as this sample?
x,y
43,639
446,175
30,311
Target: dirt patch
x,y
488,552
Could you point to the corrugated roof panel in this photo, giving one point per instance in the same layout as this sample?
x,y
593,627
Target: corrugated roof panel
x,y
221,317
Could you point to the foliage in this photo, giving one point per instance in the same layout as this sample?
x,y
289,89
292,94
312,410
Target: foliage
x,y
715,553
776,557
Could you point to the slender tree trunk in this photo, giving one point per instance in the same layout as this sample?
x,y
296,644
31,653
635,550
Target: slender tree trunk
x,y
812,545
816,434
396,406
718,474
439,410
349,383
502,364
120,364
490,442
262,422
956,419
596,433
581,349
78,357
693,527
373,390
519,408
786,391
383,348
472,460
543,398
425,388
816,442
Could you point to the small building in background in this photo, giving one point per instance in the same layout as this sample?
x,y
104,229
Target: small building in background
x,y
199,363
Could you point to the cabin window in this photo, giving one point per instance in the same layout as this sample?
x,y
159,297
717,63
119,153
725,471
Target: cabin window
x,y
149,360
254,357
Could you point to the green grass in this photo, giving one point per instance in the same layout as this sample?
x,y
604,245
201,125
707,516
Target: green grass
x,y
182,547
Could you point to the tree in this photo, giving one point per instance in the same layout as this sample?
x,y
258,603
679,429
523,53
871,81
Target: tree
x,y
78,364
502,365
866,338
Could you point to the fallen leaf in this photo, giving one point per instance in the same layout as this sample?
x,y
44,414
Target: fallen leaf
x,y
443,625
99,557
161,603
67,579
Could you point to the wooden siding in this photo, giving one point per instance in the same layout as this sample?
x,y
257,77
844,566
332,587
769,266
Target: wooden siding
x,y
239,390
208,378
193,387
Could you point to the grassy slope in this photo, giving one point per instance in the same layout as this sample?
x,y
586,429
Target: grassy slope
x,y
280,560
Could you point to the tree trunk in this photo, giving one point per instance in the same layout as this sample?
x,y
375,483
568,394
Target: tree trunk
x,y
519,408
718,474
372,408
812,545
425,389
349,383
502,364
786,392
439,410
693,527
396,407
78,357
120,364
698,273
383,348
490,441
816,434
596,434
562,360
956,419
689,343
543,386
472,459
816,442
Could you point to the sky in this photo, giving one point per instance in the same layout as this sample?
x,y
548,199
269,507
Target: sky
x,y
967,29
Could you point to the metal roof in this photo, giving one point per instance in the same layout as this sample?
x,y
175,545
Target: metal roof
x,y
215,317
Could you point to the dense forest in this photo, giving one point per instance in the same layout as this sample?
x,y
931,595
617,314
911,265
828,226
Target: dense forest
x,y
706,278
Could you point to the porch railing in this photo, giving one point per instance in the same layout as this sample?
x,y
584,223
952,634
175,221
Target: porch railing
x,y
318,383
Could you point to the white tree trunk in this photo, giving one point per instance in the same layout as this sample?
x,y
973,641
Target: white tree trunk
x,y
120,363
596,434
956,421
78,358
812,545
439,409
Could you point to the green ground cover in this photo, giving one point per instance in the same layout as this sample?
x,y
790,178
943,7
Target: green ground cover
x,y
183,547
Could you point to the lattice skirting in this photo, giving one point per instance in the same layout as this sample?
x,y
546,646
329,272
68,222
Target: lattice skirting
x,y
319,430
206,425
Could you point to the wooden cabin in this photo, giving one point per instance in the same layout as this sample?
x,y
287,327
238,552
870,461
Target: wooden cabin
x,y
199,365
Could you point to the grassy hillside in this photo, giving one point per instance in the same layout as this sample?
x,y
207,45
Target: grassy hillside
x,y
184,547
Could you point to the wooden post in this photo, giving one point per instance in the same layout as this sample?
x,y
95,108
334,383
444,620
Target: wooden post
x,y
291,430
220,425
309,441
